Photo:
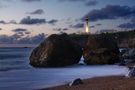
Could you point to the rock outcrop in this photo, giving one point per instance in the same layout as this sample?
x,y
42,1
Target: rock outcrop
x,y
100,49
131,72
127,56
129,53
56,51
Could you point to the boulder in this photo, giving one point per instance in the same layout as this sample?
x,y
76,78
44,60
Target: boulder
x,y
127,56
100,49
76,82
56,51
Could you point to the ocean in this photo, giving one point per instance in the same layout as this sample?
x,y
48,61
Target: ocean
x,y
17,74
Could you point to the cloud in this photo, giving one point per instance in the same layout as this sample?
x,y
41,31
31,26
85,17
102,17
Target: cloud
x,y
18,35
60,29
17,39
31,0
110,12
53,21
99,24
106,31
38,11
0,28
86,2
19,30
31,21
57,29
27,32
2,22
10,22
127,26
79,25
91,3
32,40
65,29
92,26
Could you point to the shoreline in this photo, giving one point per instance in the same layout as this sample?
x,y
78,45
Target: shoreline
x,y
100,83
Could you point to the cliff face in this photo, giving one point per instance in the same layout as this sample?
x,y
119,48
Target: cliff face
x,y
127,43
100,49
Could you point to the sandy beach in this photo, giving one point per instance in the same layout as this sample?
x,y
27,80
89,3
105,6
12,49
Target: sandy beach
x,y
101,83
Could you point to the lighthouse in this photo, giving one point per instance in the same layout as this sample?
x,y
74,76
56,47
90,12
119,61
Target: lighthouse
x,y
87,24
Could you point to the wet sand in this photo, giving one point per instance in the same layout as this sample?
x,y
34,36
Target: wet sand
x,y
101,83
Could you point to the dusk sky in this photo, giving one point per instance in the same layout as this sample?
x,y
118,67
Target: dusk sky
x,y
36,18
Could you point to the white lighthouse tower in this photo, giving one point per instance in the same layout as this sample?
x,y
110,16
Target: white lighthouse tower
x,y
87,24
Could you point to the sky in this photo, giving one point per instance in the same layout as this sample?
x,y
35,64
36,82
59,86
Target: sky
x,y
30,21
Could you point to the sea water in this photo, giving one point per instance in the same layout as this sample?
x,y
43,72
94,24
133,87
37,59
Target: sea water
x,y
17,74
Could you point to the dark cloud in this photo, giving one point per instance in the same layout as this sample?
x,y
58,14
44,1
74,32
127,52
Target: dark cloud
x,y
79,25
91,26
27,32
127,26
18,35
2,22
31,0
86,2
65,29
0,28
91,3
30,21
57,29
10,22
53,21
38,11
110,12
19,30
60,29
99,24
106,31
21,33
